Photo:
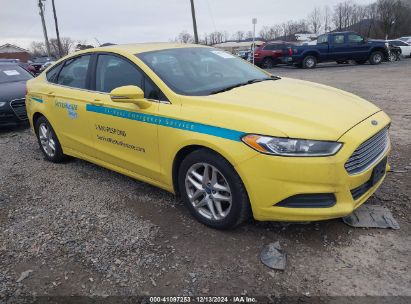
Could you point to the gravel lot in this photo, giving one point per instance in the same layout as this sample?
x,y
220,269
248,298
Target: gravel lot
x,y
84,230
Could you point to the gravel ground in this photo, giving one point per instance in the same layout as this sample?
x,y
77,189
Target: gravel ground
x,y
78,229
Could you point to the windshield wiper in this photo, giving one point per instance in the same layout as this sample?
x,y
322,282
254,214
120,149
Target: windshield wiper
x,y
244,84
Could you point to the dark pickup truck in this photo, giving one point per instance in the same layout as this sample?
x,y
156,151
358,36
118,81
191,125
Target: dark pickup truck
x,y
339,47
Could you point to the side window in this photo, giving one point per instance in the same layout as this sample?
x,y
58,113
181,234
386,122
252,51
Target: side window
x,y
352,38
269,47
74,72
52,74
323,39
339,39
113,72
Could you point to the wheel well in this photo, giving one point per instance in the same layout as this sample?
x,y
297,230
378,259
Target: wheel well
x,y
178,159
311,54
36,116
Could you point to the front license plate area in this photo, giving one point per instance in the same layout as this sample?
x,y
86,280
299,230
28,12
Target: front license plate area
x,y
378,171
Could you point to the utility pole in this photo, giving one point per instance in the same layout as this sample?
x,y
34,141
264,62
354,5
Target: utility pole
x,y
46,39
193,14
254,21
57,30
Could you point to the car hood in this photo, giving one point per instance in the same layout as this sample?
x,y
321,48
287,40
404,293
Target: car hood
x,y
12,90
292,108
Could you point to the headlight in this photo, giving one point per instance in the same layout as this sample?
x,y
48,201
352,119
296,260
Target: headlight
x,y
2,103
291,147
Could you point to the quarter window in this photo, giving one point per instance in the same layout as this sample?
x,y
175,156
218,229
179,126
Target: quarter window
x,y
52,74
74,72
113,72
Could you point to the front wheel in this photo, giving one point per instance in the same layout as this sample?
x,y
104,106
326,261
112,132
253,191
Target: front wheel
x,y
212,190
376,57
309,62
48,141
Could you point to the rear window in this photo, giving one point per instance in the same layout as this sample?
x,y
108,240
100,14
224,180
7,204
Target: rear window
x,y
74,72
52,74
13,73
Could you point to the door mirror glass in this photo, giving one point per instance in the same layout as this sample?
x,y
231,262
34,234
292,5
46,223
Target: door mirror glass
x,y
129,94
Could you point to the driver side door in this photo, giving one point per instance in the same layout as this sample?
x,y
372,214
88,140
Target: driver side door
x,y
124,134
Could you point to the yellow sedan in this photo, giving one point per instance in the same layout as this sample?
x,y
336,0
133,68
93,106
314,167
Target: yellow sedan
x,y
230,139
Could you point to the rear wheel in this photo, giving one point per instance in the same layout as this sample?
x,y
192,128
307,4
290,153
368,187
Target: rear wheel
x,y
48,141
268,63
212,190
309,62
376,57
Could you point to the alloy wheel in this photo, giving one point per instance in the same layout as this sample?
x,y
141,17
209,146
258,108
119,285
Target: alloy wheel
x,y
46,139
208,191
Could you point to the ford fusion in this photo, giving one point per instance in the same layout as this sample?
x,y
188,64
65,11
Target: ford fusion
x,y
230,139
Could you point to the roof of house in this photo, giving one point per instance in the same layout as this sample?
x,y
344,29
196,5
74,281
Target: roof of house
x,y
15,48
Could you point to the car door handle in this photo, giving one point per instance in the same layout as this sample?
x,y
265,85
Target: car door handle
x,y
97,102
51,94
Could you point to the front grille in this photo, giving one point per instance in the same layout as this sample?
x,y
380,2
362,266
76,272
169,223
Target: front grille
x,y
368,152
19,108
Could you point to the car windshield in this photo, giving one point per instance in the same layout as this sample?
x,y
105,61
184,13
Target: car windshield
x,y
200,70
13,73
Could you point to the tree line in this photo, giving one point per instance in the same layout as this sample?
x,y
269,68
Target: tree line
x,y
381,19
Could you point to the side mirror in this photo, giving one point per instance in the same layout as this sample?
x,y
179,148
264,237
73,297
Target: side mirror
x,y
130,94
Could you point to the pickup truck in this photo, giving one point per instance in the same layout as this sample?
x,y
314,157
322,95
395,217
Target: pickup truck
x,y
339,47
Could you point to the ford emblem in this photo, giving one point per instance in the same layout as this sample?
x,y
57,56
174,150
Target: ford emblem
x,y
374,122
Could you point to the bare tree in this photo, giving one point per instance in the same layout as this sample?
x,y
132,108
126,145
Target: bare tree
x,y
239,35
185,37
67,46
327,18
38,49
315,20
388,14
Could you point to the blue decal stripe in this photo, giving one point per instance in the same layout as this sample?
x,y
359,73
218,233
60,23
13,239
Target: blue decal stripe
x,y
168,122
37,99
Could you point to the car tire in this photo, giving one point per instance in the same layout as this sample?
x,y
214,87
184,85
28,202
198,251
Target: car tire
x,y
309,62
48,141
268,63
360,61
212,190
376,57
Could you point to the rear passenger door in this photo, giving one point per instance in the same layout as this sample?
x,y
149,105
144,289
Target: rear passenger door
x,y
356,47
338,47
66,97
124,134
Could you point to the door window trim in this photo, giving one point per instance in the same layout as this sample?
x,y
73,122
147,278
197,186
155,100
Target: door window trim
x,y
93,76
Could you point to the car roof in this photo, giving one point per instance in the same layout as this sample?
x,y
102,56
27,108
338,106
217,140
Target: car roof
x,y
137,48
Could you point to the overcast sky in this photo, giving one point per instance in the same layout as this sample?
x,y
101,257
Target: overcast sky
x,y
127,21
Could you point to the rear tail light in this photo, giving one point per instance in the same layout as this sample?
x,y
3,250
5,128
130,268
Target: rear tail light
x,y
256,54
290,51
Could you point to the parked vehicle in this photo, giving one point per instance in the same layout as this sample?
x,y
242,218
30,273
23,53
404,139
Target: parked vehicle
x,y
13,80
38,62
231,139
404,46
46,65
270,54
244,54
6,60
340,47
405,39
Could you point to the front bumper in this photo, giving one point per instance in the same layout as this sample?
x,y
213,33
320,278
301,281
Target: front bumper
x,y
10,116
272,179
